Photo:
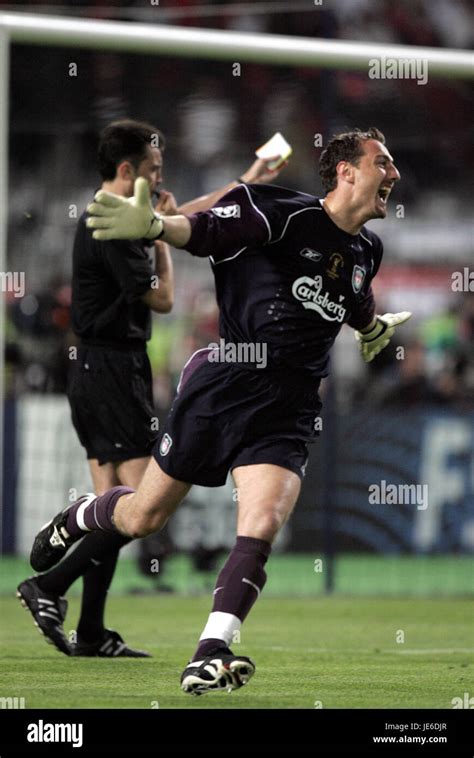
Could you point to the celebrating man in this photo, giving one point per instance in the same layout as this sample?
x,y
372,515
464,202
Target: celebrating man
x,y
290,270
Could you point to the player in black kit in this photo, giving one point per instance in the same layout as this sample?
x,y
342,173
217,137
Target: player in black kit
x,y
290,269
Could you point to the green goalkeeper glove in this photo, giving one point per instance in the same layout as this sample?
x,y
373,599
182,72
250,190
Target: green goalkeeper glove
x,y
119,218
371,343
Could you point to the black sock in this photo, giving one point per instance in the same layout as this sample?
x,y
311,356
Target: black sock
x,y
96,545
96,582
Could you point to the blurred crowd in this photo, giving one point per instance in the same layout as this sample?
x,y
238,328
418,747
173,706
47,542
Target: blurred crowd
x,y
213,120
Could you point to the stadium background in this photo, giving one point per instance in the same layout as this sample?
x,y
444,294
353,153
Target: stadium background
x,y
403,421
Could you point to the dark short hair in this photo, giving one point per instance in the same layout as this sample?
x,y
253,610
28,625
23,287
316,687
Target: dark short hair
x,y
125,140
344,147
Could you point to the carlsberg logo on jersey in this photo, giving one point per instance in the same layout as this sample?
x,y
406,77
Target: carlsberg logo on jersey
x,y
308,291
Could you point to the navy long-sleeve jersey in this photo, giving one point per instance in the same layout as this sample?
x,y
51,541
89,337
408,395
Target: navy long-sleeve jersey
x,y
285,274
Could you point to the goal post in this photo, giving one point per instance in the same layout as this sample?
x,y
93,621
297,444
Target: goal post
x,y
4,111
159,39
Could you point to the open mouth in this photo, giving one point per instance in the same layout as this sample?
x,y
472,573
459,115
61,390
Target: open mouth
x,y
383,194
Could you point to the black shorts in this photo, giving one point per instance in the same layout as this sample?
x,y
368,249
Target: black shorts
x,y
225,416
111,399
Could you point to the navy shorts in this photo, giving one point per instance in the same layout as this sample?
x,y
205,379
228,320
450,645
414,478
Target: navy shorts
x,y
225,415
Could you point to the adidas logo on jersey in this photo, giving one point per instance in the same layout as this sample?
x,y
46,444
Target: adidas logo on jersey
x,y
308,292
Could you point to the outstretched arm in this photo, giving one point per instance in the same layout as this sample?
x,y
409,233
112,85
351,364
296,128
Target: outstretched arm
x,y
115,217
176,230
217,232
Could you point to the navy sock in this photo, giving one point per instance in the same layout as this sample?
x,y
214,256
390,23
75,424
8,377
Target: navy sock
x,y
97,514
238,586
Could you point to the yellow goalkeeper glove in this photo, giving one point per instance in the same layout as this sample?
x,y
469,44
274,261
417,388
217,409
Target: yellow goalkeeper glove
x,y
371,343
114,217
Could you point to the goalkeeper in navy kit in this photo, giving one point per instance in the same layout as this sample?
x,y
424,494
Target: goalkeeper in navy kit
x,y
290,269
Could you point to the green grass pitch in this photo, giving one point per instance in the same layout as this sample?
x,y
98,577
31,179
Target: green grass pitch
x,y
335,652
